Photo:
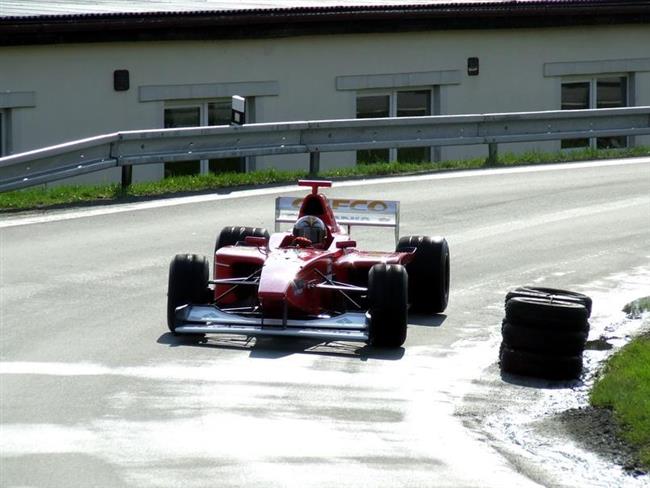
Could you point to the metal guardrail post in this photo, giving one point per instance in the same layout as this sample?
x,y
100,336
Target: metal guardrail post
x,y
493,155
127,176
314,163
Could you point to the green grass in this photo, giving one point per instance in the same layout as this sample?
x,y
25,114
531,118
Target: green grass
x,y
41,197
624,386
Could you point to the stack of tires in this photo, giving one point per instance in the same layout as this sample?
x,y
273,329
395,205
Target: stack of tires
x,y
544,333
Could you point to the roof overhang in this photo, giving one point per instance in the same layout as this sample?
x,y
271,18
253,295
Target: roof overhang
x,y
287,22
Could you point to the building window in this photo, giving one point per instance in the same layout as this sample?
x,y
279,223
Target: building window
x,y
605,92
402,103
219,113
182,117
372,107
413,104
196,115
4,133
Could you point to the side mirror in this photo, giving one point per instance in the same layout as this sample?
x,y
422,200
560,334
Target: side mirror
x,y
256,241
345,244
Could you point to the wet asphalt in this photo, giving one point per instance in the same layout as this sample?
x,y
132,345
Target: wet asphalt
x,y
95,392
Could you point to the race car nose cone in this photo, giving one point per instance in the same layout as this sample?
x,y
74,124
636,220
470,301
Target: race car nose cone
x,y
277,276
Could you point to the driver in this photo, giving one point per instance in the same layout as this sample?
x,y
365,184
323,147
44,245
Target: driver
x,y
312,228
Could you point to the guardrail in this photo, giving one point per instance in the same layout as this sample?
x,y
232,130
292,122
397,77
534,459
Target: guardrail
x,y
125,149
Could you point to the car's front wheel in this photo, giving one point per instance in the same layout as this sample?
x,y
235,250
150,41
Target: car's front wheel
x,y
387,305
188,283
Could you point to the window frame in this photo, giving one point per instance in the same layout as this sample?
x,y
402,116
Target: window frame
x,y
592,80
392,107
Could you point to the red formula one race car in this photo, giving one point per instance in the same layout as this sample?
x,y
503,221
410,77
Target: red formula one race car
x,y
311,281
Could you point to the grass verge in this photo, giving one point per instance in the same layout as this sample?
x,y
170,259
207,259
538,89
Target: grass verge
x,y
624,387
41,197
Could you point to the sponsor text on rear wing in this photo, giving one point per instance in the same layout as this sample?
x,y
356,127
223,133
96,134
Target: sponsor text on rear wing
x,y
347,211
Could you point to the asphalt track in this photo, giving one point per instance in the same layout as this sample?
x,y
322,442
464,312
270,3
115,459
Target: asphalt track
x,y
95,392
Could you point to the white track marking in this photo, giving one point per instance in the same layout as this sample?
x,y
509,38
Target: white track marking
x,y
56,216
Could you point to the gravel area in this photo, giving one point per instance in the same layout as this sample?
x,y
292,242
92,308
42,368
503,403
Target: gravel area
x,y
596,429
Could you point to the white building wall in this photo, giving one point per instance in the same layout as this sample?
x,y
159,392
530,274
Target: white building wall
x,y
74,96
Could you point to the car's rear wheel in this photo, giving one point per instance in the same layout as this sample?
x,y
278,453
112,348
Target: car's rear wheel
x,y
229,236
387,305
428,272
188,283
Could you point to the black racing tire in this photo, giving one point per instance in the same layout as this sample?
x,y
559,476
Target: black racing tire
x,y
387,305
547,314
428,273
535,365
229,236
554,294
544,341
188,283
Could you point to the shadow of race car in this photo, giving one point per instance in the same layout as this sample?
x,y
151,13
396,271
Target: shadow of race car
x,y
311,281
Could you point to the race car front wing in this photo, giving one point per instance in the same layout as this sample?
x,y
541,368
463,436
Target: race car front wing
x,y
209,319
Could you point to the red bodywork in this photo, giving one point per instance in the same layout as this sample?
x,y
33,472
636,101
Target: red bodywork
x,y
290,272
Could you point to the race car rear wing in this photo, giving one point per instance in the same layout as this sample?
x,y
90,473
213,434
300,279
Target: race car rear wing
x,y
348,212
